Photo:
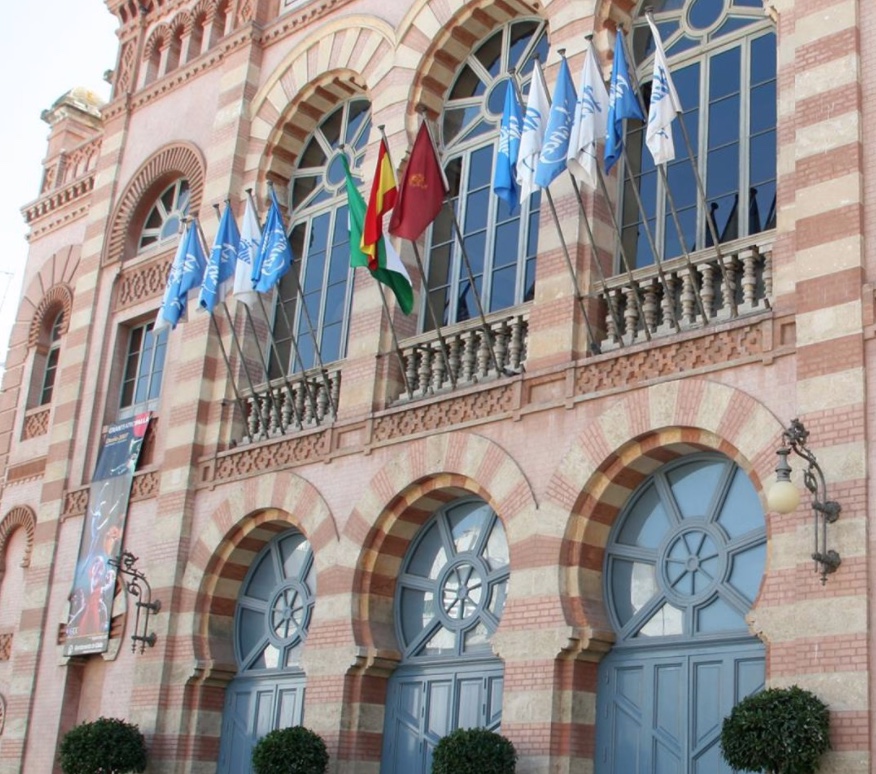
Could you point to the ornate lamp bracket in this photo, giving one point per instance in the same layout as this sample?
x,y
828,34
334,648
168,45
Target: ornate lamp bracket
x,y
143,596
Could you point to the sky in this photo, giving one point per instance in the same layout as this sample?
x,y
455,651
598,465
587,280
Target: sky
x,y
46,49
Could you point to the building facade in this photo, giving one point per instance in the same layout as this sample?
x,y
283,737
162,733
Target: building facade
x,y
538,503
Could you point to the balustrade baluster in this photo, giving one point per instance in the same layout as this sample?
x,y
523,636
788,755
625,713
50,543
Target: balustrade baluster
x,y
649,305
631,312
411,371
468,357
707,291
425,369
728,284
749,278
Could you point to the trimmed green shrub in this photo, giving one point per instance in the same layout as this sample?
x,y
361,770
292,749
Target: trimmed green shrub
x,y
779,731
474,751
296,750
106,746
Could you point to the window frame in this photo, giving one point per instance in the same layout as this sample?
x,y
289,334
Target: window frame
x,y
467,142
327,198
703,56
51,362
181,197
132,373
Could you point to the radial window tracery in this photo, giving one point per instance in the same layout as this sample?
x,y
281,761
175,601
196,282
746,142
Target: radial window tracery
x,y
452,587
275,605
319,236
688,553
163,221
501,246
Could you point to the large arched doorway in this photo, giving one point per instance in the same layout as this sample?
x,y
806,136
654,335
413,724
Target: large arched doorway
x,y
270,626
448,603
683,566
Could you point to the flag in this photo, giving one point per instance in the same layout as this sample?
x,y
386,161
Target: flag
x,y
622,103
275,254
381,201
422,190
186,273
665,105
552,159
250,240
390,269
532,135
223,262
505,174
591,122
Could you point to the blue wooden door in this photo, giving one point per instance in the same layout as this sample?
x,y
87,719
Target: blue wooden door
x,y
271,620
662,714
253,707
449,600
683,565
424,705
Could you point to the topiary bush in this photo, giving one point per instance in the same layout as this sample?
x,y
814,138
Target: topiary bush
x,y
474,751
106,746
296,750
779,731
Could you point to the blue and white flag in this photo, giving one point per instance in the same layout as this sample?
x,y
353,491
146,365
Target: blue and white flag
x,y
591,122
552,160
622,103
665,105
186,273
250,241
275,254
505,176
532,135
222,263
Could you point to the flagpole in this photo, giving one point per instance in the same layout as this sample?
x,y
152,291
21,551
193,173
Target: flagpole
x,y
395,344
488,337
305,381
239,347
313,333
441,341
239,352
238,399
579,296
701,190
661,170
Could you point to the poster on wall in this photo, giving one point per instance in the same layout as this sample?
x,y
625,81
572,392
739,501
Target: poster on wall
x,y
94,582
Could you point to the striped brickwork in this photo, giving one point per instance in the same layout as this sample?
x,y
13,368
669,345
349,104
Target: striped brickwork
x,y
557,468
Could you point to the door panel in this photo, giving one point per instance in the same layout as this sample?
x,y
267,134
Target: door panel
x,y
662,714
425,705
253,707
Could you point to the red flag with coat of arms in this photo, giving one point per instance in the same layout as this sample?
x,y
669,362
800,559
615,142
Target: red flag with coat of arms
x,y
421,191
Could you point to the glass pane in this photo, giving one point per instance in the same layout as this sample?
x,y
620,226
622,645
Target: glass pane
x,y
495,553
718,616
747,571
763,107
742,511
466,526
633,584
476,639
294,551
443,642
502,288
261,583
429,556
666,622
647,523
250,630
417,612
724,74
724,121
496,602
693,486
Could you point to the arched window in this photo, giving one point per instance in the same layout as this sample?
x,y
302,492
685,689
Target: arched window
x,y
722,56
319,236
50,370
163,221
501,246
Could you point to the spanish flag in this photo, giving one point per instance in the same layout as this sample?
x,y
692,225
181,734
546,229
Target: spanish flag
x,y
382,200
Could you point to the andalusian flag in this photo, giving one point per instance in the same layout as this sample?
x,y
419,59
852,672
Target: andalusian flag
x,y
382,200
389,268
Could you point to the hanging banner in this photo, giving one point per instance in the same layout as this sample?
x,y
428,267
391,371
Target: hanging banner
x,y
94,584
